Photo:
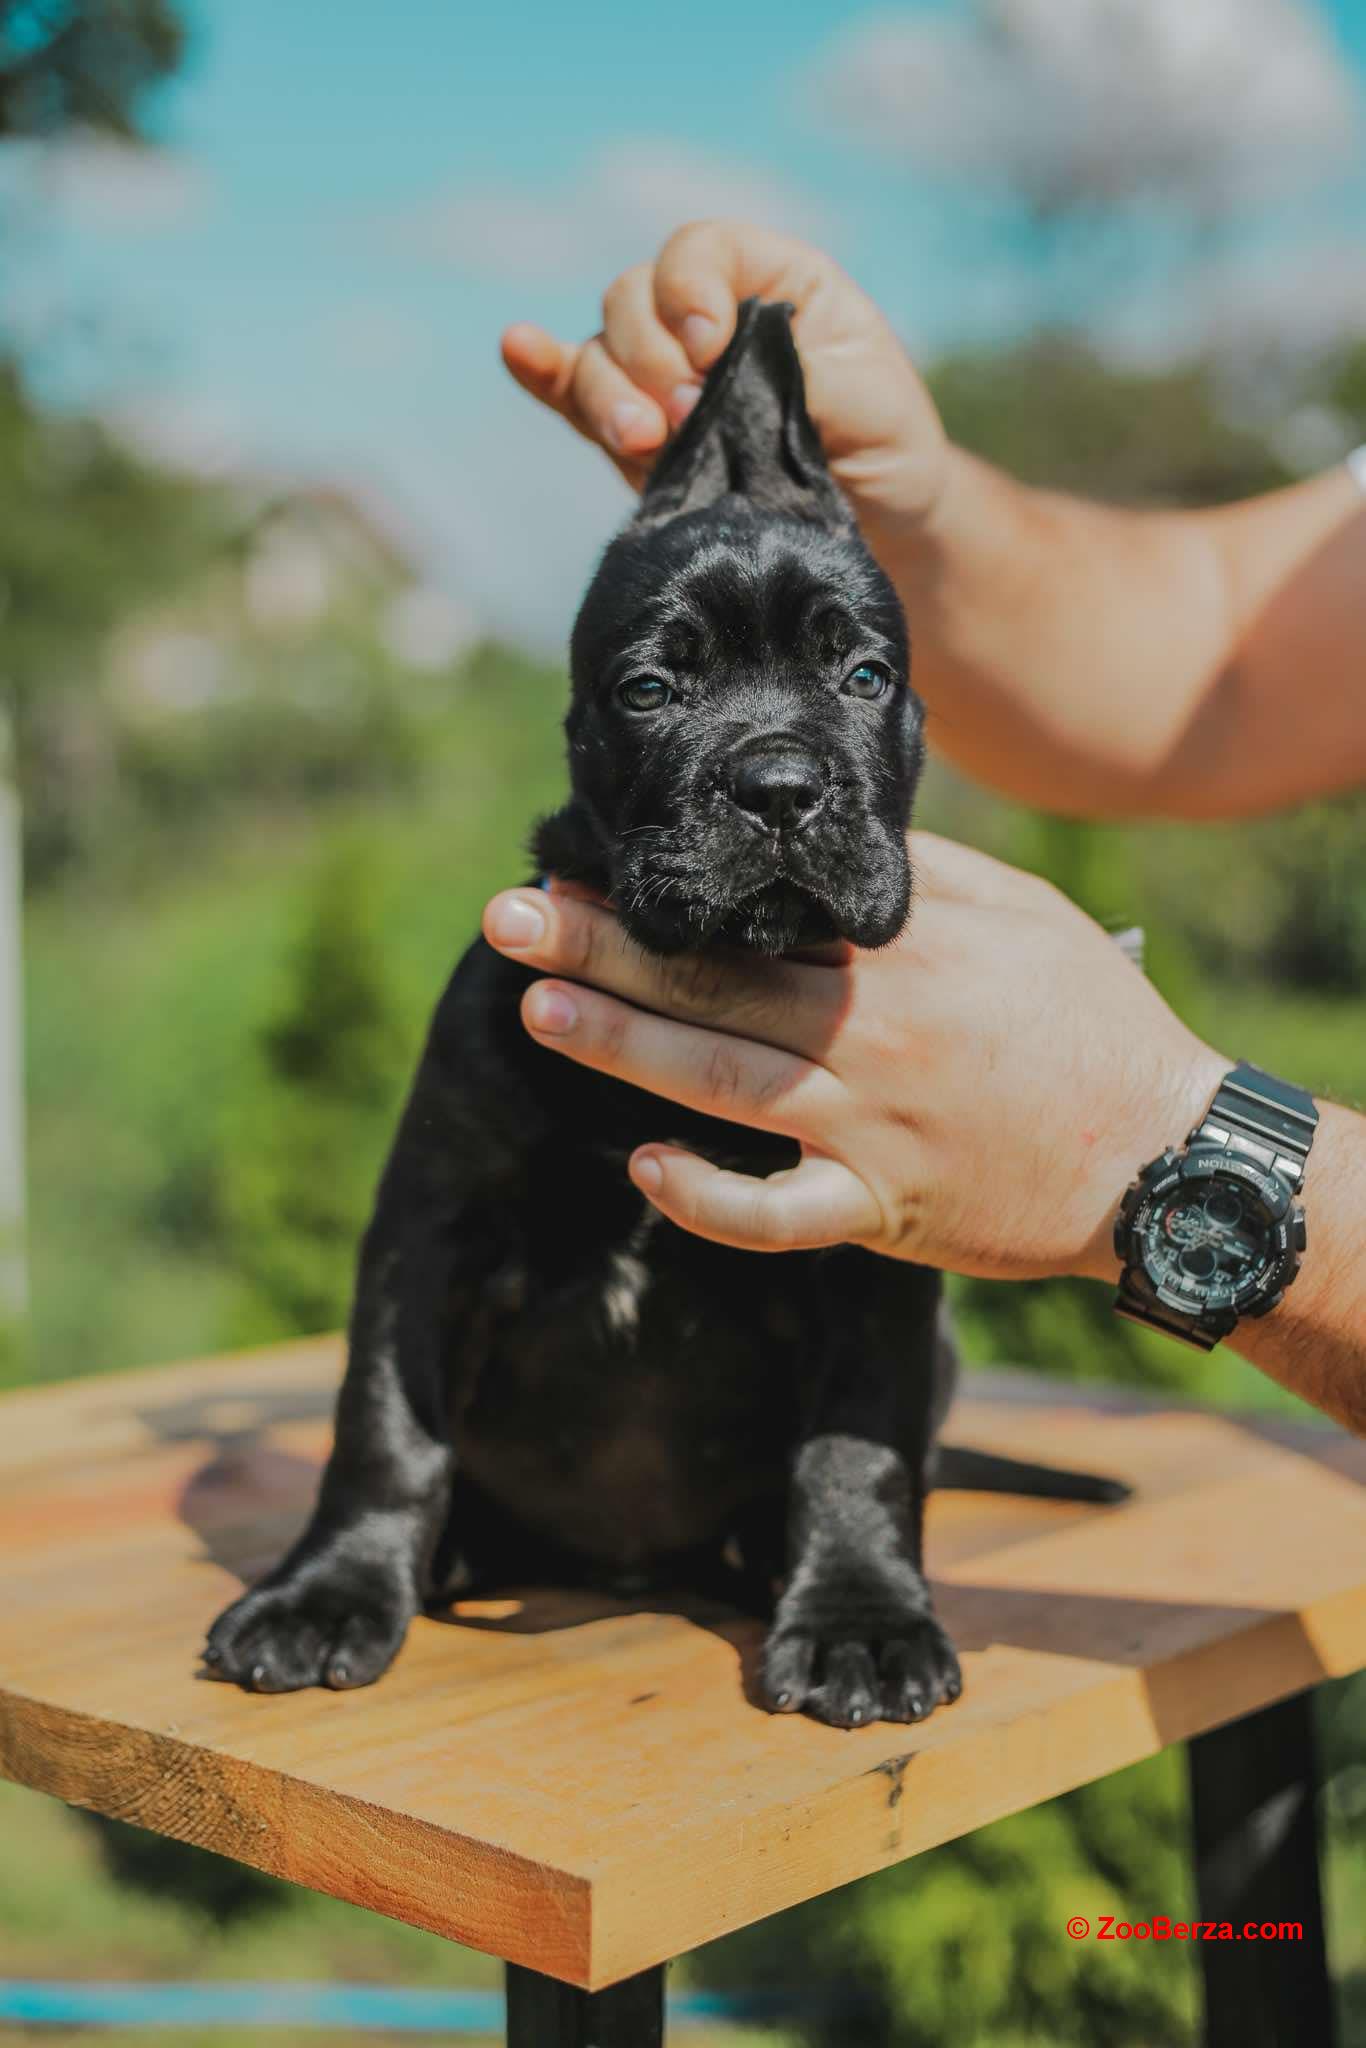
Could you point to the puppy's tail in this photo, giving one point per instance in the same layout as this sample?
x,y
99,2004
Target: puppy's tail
x,y
959,1470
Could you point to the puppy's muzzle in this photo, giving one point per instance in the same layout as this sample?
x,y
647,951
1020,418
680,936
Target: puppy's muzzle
x,y
779,785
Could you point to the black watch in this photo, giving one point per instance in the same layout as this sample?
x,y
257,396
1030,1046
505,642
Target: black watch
x,y
1214,1232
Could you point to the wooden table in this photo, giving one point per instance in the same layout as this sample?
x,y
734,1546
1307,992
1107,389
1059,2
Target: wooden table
x,y
585,1789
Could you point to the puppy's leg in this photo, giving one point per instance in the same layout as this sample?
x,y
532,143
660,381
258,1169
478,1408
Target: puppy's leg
x,y
855,1638
336,1608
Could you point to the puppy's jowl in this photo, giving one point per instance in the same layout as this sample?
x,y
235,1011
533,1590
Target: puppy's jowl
x,y
546,1381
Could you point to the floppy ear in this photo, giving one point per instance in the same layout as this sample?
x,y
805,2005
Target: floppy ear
x,y
749,433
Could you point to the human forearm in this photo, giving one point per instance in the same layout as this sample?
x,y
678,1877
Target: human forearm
x,y
1315,1342
1108,662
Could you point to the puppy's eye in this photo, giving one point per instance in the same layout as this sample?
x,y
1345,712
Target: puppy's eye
x,y
870,679
645,693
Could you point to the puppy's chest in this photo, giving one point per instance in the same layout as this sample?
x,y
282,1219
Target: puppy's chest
x,y
627,1358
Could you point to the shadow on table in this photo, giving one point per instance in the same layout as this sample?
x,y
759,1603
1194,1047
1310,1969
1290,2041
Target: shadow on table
x,y
251,1495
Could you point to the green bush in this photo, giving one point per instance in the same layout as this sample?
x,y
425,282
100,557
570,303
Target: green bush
x,y
967,1944
306,1147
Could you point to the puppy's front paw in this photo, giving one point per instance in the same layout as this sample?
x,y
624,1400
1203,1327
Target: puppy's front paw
x,y
316,1627
846,1669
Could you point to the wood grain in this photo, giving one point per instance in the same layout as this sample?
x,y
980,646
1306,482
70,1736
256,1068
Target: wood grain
x,y
585,1787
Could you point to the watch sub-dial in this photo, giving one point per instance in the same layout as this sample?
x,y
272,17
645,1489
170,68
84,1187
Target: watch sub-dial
x,y
1223,1208
1184,1224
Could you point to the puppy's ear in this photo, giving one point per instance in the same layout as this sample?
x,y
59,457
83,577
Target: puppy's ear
x,y
749,433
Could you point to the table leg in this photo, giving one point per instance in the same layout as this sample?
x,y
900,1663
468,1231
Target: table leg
x,y
543,2013
1255,1821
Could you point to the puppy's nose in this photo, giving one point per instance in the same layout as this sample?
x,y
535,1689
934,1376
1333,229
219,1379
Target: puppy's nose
x,y
782,786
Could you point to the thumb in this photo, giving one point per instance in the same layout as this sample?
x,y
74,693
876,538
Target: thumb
x,y
817,1202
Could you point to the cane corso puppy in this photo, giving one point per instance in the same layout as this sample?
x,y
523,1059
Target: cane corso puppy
x,y
548,1382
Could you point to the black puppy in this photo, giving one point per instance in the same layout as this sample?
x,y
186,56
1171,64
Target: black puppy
x,y
547,1381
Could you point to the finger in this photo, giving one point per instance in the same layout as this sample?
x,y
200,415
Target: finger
x,y
709,1071
705,269
639,342
549,370
779,1002
615,411
541,364
819,1202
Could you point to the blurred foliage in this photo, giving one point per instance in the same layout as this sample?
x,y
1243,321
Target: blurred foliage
x,y
305,1151
966,1943
297,727
83,63
87,532
1053,412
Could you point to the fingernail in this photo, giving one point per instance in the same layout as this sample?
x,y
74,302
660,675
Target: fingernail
x,y
551,1010
682,399
699,335
515,921
624,423
647,1173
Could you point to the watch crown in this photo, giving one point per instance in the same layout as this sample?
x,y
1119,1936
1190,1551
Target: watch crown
x,y
1298,1232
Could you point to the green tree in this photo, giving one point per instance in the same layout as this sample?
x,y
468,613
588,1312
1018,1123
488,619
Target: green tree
x,y
83,63
301,1159
1054,412
87,530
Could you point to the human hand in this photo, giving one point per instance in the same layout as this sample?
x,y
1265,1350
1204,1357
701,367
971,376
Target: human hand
x,y
976,1096
665,323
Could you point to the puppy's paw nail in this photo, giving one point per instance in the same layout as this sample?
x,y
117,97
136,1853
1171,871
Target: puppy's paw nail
x,y
339,1674
258,1675
211,1656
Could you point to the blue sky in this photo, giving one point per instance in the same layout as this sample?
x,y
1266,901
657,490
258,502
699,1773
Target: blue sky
x,y
355,200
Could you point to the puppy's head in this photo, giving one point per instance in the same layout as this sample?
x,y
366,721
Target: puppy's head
x,y
743,741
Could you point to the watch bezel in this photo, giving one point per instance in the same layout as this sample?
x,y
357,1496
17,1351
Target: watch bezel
x,y
1208,1163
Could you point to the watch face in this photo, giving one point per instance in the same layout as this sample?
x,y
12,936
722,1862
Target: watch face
x,y
1210,1244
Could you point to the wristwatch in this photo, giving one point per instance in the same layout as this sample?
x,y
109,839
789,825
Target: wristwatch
x,y
1213,1232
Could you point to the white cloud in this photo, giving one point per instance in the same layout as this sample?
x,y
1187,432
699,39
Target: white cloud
x,y
110,187
1292,302
1213,104
626,199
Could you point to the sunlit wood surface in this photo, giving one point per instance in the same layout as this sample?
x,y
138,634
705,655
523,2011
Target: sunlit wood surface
x,y
585,1787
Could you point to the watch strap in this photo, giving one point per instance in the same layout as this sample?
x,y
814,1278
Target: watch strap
x,y
1202,1332
1264,1119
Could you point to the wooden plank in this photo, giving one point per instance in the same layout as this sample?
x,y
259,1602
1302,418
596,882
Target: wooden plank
x,y
586,1788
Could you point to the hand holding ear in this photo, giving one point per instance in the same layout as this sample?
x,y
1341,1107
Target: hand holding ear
x,y
976,1096
665,323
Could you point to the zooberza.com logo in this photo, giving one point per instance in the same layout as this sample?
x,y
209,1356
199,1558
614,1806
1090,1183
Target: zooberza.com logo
x,y
1109,1928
